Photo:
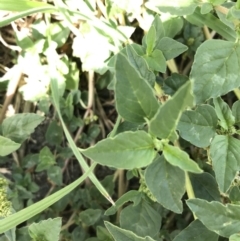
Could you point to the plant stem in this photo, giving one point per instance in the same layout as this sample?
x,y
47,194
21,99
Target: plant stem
x,y
189,189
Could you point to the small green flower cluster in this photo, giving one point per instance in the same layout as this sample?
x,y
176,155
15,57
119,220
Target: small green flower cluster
x,y
143,188
5,205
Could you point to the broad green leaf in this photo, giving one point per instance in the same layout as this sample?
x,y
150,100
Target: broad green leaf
x,y
27,213
135,99
173,83
90,216
171,48
150,40
225,155
174,7
196,231
20,126
205,186
141,219
166,183
133,196
215,69
165,121
172,26
127,150
156,61
140,65
236,111
176,157
224,113
222,219
198,126
7,146
47,230
235,237
124,235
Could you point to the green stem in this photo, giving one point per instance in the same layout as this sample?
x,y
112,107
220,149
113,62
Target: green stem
x,y
189,189
118,121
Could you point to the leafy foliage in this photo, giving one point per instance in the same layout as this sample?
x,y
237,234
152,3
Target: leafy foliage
x,y
167,74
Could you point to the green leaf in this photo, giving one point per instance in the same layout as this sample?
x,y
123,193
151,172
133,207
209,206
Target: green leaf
x,y
172,26
59,33
171,48
206,8
196,231
198,126
174,7
215,69
156,61
7,146
47,230
165,121
173,83
176,157
140,64
133,196
159,27
20,126
127,150
124,235
46,159
150,40
133,218
11,234
236,111
205,186
54,133
135,99
90,216
214,23
54,173
234,195
223,220
225,155
166,183
224,113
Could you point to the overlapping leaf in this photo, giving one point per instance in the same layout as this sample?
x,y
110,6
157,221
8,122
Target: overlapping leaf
x,y
198,126
215,69
141,219
196,231
176,157
223,220
166,183
127,150
225,155
120,234
224,113
135,99
205,186
166,119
